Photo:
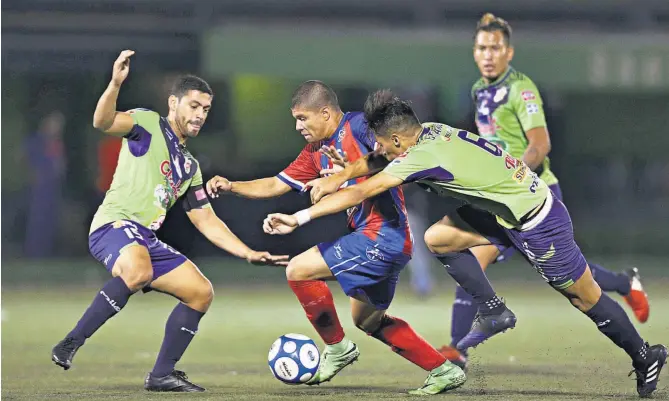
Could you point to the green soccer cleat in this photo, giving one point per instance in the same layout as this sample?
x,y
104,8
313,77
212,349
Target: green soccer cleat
x,y
442,378
333,362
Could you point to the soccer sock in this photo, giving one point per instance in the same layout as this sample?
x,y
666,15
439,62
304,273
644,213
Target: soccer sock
x,y
466,271
108,302
610,281
613,322
404,341
180,329
462,317
316,299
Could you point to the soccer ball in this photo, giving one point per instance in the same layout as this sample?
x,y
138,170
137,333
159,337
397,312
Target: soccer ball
x,y
293,358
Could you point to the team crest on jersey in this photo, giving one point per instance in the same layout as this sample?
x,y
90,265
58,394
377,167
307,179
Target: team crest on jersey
x,y
373,254
340,137
528,95
187,165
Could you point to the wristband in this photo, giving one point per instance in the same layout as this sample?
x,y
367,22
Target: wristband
x,y
302,217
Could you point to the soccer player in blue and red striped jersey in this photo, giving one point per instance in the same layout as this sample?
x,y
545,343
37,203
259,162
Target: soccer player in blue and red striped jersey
x,y
366,262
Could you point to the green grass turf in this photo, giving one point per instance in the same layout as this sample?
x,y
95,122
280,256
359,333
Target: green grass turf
x,y
555,353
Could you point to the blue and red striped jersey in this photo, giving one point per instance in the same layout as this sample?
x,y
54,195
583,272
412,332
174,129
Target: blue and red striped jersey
x,y
382,218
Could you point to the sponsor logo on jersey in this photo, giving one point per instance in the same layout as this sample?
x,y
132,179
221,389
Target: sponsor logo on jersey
x,y
511,162
532,108
528,95
338,251
166,171
520,173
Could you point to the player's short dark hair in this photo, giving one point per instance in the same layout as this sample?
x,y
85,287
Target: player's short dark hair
x,y
314,95
490,23
386,113
186,83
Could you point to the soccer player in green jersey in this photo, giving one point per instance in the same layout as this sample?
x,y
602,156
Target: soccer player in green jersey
x,y
509,114
457,163
154,169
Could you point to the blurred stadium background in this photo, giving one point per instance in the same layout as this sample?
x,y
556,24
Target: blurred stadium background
x,y
602,67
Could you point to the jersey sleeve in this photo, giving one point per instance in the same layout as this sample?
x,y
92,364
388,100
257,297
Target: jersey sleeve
x,y
141,118
195,196
413,166
527,104
302,170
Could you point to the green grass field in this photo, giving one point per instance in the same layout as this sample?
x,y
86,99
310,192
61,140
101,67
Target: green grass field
x,y
555,353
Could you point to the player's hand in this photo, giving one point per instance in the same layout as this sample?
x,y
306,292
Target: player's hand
x,y
322,187
121,67
279,224
339,160
218,184
266,258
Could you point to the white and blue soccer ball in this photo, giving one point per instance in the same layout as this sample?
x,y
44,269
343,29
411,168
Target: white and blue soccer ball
x,y
293,358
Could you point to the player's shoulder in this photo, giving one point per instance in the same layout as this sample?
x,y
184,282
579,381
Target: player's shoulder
x,y
519,80
144,116
357,121
479,84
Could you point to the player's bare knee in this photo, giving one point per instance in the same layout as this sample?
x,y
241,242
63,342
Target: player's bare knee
x,y
202,296
137,274
436,242
297,271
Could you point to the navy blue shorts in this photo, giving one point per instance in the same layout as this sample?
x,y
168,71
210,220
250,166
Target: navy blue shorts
x,y
107,242
364,268
486,224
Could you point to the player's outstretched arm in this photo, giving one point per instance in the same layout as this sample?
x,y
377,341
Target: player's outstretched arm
x,y
263,188
216,231
283,224
106,118
370,164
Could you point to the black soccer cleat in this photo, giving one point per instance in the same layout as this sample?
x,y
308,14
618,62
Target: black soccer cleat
x,y
63,353
485,327
177,382
647,376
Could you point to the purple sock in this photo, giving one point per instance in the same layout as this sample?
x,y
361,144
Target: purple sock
x,y
466,271
179,331
609,281
462,317
108,302
613,322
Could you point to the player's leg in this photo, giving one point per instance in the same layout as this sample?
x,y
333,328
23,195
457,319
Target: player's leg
x,y
627,283
421,262
612,321
127,257
403,340
451,242
195,293
306,274
547,241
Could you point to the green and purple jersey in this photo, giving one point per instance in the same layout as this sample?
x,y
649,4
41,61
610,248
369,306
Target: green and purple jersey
x,y
463,165
153,171
506,109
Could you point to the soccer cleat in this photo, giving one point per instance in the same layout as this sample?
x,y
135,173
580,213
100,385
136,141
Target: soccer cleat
x,y
456,357
333,363
442,378
637,299
176,382
485,327
63,353
647,376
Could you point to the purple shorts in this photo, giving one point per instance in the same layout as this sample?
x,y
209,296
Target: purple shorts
x,y
486,224
364,267
548,244
107,242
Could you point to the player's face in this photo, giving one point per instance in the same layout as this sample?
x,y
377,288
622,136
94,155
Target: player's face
x,y
191,112
311,124
492,54
391,146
